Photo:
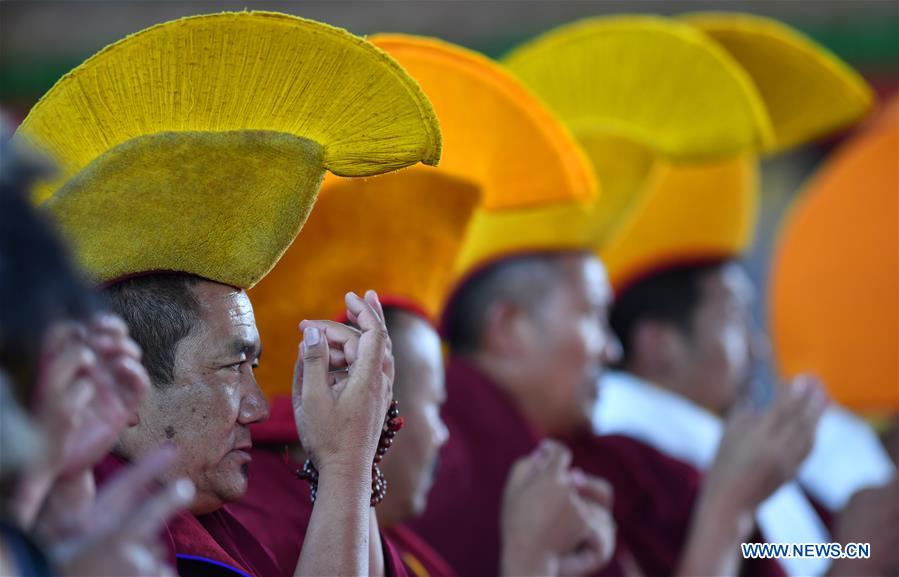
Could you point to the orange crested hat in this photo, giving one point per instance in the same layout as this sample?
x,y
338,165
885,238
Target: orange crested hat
x,y
835,280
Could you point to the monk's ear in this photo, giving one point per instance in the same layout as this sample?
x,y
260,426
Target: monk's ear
x,y
504,328
657,349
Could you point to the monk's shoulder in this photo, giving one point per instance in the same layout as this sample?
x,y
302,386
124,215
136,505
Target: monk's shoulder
x,y
631,464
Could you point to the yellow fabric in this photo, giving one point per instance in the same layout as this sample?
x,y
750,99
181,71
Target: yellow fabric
x,y
623,166
496,133
688,212
808,92
397,234
652,80
835,277
494,235
134,209
201,127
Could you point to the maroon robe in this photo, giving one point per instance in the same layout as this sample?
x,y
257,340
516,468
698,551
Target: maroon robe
x,y
277,507
653,500
418,557
487,435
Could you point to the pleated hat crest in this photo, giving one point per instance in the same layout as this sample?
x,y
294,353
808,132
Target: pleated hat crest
x,y
667,197
807,91
397,234
834,283
497,135
198,145
657,90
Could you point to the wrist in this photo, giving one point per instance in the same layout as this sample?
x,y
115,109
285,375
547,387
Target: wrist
x,y
345,473
727,517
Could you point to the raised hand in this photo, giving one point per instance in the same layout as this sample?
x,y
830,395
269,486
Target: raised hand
x,y
554,522
343,385
760,452
118,534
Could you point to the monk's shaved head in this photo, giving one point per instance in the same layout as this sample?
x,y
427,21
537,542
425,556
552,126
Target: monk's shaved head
x,y
524,281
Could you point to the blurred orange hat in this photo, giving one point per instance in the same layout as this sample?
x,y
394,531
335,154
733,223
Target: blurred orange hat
x,y
397,234
835,280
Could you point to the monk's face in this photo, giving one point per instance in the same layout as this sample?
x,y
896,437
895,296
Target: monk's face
x,y
419,387
714,361
206,410
566,347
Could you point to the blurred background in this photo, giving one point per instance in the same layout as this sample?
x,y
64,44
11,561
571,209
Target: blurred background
x,y
41,40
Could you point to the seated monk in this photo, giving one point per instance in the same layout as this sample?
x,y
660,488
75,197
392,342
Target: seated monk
x,y
388,213
184,189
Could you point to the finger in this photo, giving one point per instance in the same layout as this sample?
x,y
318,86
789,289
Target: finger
x,y
60,372
809,403
75,400
371,297
525,468
594,489
60,334
343,341
337,333
107,345
559,458
133,380
366,317
153,513
315,364
130,486
583,561
109,323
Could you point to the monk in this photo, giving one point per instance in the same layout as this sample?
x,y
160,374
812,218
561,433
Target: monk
x,y
690,348
183,191
277,505
528,338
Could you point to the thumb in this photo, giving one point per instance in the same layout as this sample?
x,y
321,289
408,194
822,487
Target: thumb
x,y
595,489
558,457
315,362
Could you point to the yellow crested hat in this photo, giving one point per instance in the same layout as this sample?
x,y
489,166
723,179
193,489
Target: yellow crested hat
x,y
808,92
662,205
198,145
397,234
835,279
689,213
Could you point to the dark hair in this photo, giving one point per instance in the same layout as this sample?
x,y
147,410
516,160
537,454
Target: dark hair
x,y
523,280
38,283
670,296
160,310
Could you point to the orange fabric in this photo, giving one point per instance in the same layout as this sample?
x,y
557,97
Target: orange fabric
x,y
397,234
835,280
495,132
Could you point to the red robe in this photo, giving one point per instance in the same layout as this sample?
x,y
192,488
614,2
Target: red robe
x,y
418,557
277,507
653,493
